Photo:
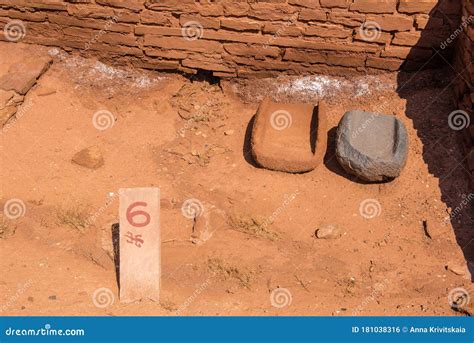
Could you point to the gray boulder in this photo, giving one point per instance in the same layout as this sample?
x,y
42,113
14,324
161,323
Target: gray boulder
x,y
372,146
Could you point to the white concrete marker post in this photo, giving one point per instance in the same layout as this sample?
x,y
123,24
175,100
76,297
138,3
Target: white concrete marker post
x,y
140,262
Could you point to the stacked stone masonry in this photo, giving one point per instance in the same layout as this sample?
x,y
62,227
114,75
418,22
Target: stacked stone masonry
x,y
464,86
244,38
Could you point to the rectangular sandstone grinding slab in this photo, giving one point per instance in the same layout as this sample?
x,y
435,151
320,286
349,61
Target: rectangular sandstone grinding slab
x,y
140,262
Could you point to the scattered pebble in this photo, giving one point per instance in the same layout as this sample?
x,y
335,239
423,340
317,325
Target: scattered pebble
x,y
90,158
456,268
328,232
229,132
45,91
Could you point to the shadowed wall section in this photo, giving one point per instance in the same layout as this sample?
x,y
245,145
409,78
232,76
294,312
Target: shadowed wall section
x,y
464,88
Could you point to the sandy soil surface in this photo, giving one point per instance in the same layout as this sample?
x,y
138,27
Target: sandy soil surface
x,y
253,251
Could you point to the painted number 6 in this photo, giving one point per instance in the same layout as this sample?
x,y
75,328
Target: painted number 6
x,y
131,214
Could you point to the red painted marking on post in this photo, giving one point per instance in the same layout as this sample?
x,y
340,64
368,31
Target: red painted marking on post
x,y
140,250
131,215
134,239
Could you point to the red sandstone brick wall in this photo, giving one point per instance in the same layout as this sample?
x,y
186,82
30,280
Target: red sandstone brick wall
x,y
464,86
241,38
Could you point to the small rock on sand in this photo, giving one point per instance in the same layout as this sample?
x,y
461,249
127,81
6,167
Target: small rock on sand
x,y
90,158
22,76
328,232
457,268
44,91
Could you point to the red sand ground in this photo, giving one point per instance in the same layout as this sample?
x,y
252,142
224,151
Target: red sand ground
x,y
232,264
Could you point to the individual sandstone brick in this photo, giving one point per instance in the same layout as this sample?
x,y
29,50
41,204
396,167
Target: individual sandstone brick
x,y
88,23
211,10
141,30
374,6
125,16
106,37
210,23
212,66
305,3
346,60
236,9
37,4
330,46
335,3
134,5
306,56
328,31
246,50
390,22
403,52
377,37
417,6
199,45
406,38
264,11
26,15
156,18
312,15
383,63
282,30
351,19
241,25
168,54
90,11
156,64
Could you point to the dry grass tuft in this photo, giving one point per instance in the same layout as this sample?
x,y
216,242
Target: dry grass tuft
x,y
227,271
75,217
252,225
